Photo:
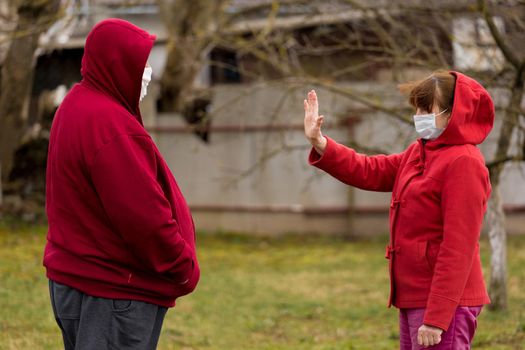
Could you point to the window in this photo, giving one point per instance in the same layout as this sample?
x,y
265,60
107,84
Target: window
x,y
224,67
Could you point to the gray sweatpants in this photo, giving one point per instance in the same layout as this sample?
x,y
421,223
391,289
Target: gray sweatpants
x,y
90,323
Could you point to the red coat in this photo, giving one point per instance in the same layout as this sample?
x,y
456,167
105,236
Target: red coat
x,y
439,191
119,226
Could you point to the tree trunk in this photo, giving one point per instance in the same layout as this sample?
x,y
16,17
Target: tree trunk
x,y
1,192
498,244
190,26
34,18
496,215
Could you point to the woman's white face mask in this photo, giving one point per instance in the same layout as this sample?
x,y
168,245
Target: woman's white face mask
x,y
426,125
146,78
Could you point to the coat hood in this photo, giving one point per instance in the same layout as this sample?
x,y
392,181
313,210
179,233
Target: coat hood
x,y
115,55
472,116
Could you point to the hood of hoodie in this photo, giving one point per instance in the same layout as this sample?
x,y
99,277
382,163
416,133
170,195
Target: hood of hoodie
x,y
472,116
115,55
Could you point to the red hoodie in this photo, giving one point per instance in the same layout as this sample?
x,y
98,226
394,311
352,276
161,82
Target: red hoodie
x,y
439,190
119,226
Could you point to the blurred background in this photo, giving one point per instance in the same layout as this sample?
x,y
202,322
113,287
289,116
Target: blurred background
x,y
225,109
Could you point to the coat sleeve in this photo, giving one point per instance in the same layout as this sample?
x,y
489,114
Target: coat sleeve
x,y
373,173
124,173
464,200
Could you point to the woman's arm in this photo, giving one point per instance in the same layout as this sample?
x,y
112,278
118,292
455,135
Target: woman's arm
x,y
373,173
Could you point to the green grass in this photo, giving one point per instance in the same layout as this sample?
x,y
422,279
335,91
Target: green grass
x,y
255,293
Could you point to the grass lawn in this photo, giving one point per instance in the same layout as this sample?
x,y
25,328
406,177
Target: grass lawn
x,y
280,293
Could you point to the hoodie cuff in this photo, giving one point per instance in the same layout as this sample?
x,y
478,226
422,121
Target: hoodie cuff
x,y
193,280
439,311
318,160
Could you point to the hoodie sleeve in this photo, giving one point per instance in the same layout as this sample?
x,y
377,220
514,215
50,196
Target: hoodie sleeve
x,y
372,173
124,175
464,199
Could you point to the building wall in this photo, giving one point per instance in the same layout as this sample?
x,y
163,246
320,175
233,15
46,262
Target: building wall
x,y
253,175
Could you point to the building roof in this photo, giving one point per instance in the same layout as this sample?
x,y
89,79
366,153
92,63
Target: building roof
x,y
249,15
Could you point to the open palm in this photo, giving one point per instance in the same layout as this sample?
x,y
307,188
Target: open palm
x,y
312,119
313,122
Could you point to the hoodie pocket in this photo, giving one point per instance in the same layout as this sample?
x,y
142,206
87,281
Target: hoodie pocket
x,y
431,253
422,259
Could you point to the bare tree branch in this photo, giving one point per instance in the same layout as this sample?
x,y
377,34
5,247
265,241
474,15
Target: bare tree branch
x,y
498,38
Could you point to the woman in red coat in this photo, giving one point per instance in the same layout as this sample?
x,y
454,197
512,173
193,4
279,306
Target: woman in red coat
x,y
440,187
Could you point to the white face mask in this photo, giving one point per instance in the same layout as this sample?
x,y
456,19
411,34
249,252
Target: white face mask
x,y
146,78
426,125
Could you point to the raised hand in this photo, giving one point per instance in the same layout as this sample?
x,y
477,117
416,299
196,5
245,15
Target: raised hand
x,y
313,122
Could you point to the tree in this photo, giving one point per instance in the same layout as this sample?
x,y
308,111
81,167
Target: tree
x,y
191,27
34,18
511,116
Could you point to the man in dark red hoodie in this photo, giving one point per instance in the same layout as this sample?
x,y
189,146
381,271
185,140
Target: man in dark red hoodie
x,y
121,240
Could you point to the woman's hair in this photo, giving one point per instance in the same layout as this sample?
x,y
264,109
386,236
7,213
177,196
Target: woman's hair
x,y
436,89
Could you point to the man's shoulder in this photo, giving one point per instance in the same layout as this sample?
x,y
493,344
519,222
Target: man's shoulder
x,y
91,100
97,111
92,119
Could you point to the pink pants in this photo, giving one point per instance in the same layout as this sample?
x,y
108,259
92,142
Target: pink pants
x,y
458,336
